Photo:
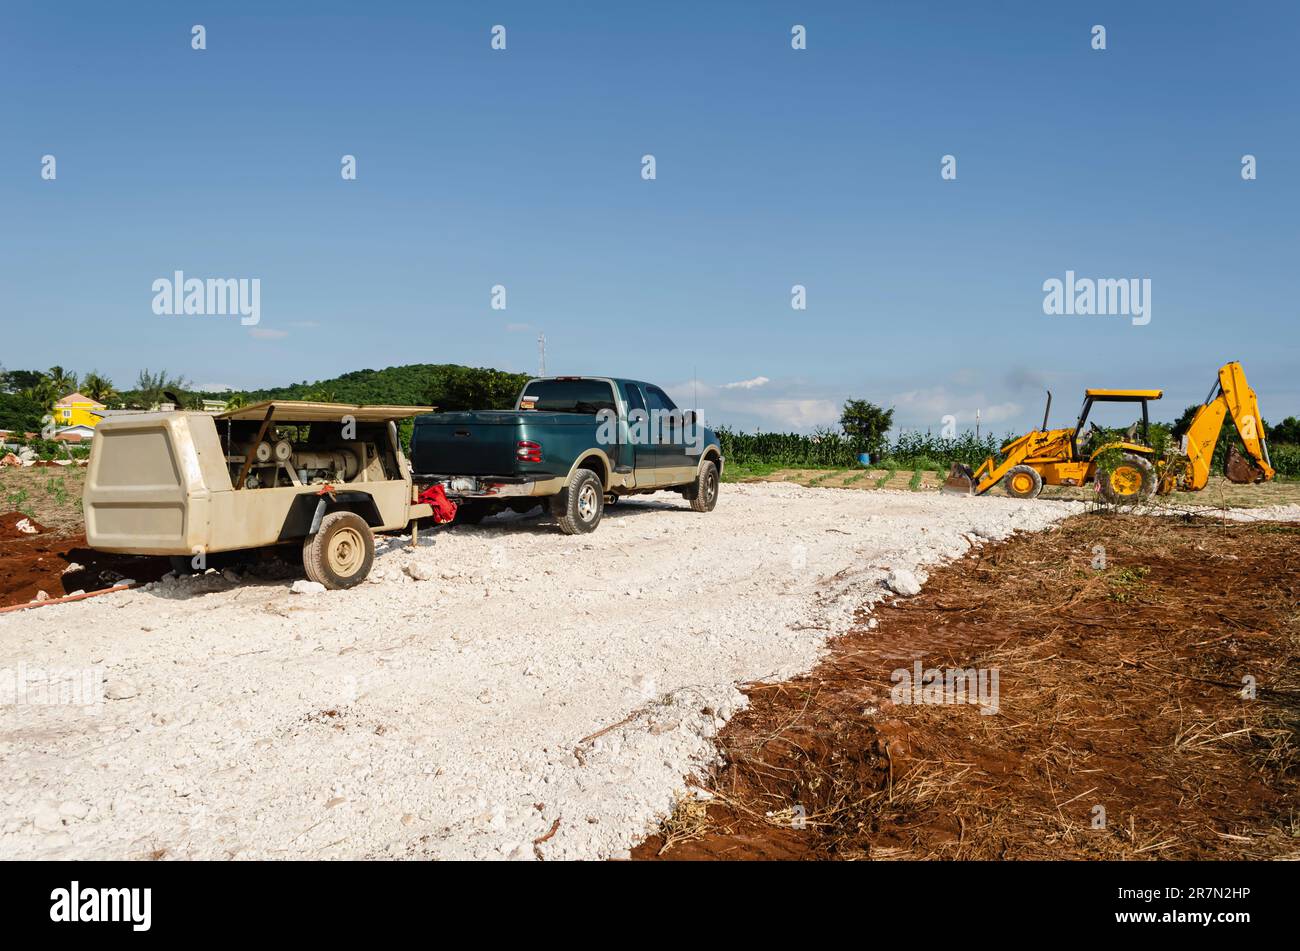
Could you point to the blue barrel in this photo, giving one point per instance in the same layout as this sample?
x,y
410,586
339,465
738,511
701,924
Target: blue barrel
x,y
864,458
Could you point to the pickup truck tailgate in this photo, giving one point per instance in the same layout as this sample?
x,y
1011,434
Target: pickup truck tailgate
x,y
484,442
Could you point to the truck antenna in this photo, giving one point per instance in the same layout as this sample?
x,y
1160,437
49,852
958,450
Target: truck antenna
x,y
541,350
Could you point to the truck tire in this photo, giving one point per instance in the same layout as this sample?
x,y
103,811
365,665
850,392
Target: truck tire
x,y
1023,482
703,495
578,507
340,554
1132,480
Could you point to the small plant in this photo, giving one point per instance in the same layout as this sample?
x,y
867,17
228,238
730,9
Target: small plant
x,y
1127,582
915,482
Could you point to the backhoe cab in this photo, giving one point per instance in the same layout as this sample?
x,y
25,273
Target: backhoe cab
x,y
1071,456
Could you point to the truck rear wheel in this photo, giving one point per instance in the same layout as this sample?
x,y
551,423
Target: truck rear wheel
x,y
703,495
340,554
578,507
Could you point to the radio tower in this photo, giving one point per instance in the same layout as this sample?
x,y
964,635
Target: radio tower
x,y
541,352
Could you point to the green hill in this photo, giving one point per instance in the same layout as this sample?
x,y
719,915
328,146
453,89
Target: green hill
x,y
447,386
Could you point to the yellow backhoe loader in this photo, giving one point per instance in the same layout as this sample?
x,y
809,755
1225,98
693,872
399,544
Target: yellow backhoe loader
x,y
1131,471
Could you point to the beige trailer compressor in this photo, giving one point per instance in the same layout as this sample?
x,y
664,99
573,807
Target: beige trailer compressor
x,y
189,484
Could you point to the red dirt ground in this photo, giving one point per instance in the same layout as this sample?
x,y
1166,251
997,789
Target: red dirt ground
x,y
32,563
1121,687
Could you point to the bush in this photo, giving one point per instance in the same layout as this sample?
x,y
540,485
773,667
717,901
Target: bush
x,y
1286,459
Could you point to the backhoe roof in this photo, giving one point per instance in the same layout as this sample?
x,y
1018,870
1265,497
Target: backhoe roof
x,y
303,411
1125,394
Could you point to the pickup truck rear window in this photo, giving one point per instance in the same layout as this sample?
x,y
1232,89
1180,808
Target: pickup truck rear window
x,y
588,397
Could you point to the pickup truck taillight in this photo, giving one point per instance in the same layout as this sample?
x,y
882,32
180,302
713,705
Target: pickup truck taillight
x,y
526,451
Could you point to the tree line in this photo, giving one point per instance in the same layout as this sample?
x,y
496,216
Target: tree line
x,y
26,396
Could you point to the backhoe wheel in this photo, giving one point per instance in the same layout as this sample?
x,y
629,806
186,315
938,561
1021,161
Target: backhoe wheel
x,y
703,495
578,507
340,554
1024,482
1132,480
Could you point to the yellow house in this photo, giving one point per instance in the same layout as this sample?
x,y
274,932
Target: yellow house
x,y
75,409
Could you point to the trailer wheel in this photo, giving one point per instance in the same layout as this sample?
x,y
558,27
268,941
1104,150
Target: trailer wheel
x,y
578,507
340,554
703,494
1023,482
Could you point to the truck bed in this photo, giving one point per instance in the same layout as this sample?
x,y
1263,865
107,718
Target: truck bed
x,y
484,442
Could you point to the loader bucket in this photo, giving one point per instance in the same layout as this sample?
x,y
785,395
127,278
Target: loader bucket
x,y
960,481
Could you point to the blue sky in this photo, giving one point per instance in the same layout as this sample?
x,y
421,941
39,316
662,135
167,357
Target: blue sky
x,y
775,167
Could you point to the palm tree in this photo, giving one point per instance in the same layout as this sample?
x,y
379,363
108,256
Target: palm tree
x,y
98,388
64,381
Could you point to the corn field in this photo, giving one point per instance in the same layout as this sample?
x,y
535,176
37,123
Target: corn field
x,y
830,449
826,448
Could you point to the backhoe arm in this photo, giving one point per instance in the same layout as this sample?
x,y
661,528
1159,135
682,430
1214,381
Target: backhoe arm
x,y
1231,396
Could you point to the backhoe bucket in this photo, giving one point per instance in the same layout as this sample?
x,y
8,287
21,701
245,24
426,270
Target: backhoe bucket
x,y
960,481
1240,469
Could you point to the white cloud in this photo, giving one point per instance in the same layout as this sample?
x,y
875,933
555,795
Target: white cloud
x,y
926,408
1000,411
800,414
747,384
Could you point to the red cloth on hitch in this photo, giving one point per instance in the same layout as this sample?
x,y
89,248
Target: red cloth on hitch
x,y
444,509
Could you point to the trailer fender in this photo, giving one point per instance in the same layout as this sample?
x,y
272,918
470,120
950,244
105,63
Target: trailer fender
x,y
360,502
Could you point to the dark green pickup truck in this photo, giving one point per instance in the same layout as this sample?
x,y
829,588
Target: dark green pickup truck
x,y
575,443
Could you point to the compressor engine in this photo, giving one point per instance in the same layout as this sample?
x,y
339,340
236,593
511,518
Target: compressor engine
x,y
282,462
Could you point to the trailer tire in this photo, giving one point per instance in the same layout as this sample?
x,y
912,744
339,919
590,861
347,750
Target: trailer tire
x,y
578,507
1023,482
340,554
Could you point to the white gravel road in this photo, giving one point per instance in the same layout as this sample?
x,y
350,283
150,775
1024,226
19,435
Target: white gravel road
x,y
451,716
